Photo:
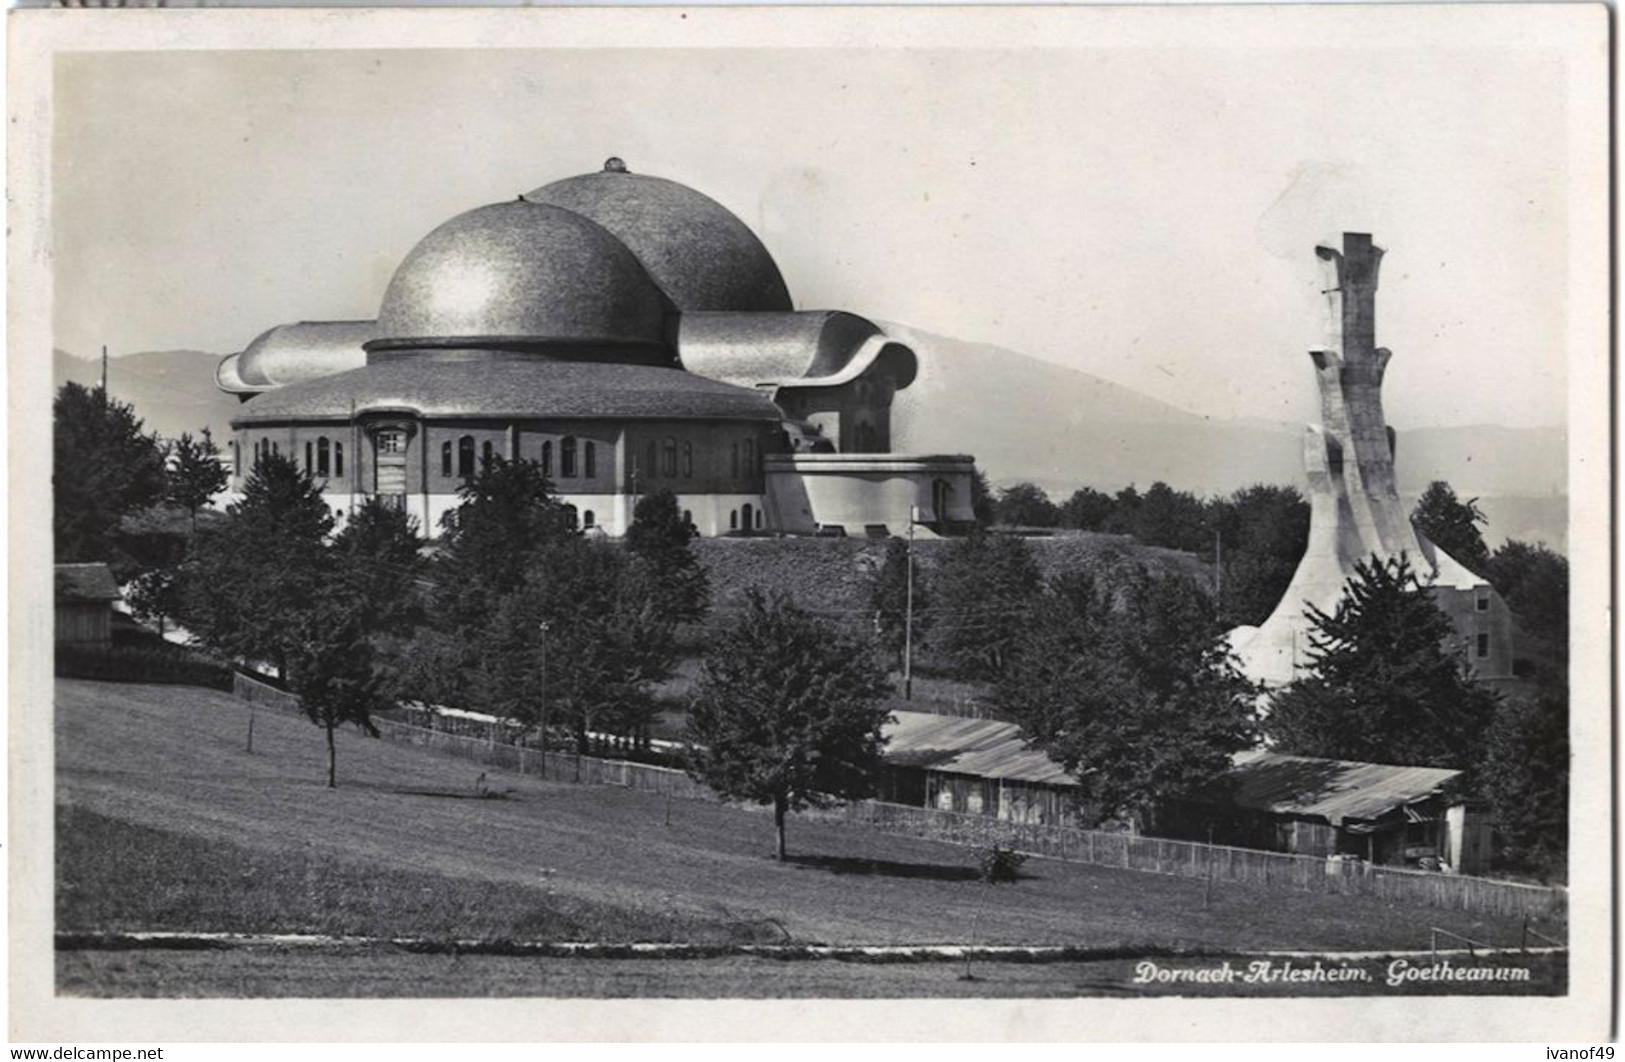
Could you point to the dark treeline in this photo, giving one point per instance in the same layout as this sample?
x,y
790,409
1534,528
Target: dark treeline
x,y
1255,535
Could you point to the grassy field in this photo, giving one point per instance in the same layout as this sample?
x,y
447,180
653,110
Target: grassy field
x,y
166,823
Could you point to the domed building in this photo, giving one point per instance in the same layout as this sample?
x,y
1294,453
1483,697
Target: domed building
x,y
627,333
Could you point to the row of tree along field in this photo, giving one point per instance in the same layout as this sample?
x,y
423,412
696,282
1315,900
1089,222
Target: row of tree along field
x,y
1121,674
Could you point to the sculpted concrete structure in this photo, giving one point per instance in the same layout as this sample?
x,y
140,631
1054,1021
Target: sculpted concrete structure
x,y
1355,510
629,334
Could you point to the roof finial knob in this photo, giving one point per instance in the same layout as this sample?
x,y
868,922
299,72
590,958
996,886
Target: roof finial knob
x,y
614,165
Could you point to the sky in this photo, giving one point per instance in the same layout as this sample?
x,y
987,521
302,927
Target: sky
x,y
1148,215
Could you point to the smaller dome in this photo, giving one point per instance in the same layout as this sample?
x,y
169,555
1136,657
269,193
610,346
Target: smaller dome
x,y
519,272
701,254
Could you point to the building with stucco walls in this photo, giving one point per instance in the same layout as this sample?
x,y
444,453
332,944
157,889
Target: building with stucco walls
x,y
629,334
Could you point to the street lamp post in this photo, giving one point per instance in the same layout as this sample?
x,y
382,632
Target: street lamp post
x,y
908,617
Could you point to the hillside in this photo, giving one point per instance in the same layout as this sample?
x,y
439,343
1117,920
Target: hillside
x,y
831,575
172,826
172,390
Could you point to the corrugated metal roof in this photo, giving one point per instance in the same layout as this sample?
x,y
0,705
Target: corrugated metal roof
x,y
1334,790
982,747
85,582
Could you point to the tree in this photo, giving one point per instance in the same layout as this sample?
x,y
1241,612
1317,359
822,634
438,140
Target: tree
x,y
788,712
1131,688
157,596
981,499
377,554
1264,531
985,585
659,537
1170,518
105,467
335,669
1026,505
1525,780
252,578
1087,510
506,514
194,474
1452,525
1386,684
888,599
1534,582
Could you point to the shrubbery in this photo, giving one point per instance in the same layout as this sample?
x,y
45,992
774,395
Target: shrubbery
x,y
997,864
130,664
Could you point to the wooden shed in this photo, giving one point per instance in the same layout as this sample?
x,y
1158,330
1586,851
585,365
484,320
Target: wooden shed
x,y
1388,814
974,766
84,605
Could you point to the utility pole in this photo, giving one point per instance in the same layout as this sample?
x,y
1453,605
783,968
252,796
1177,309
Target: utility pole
x,y
908,616
104,374
545,627
1218,572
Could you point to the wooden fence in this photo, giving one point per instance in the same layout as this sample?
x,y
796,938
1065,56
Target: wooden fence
x,y
1190,859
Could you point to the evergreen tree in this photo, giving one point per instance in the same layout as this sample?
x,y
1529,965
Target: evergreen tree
x,y
788,711
1087,510
105,468
1452,525
377,553
1026,505
984,587
253,578
888,599
1131,688
659,537
194,474
1386,683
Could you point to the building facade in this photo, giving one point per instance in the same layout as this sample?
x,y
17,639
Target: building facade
x,y
627,333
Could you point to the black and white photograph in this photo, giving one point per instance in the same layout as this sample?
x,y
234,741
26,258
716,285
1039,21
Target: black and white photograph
x,y
753,512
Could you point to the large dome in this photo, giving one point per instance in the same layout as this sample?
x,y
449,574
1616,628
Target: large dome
x,y
702,256
519,272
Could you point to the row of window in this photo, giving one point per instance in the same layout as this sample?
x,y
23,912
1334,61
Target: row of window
x,y
322,457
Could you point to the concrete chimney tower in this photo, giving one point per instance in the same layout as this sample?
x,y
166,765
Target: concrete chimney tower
x,y
1355,508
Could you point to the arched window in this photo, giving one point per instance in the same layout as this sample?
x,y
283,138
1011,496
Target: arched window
x,y
688,518
733,519
589,466
465,456
338,459
670,468
310,457
324,457
758,519
572,519
567,457
445,459
746,512
588,521
688,461
651,460
485,454
236,458
750,457
547,458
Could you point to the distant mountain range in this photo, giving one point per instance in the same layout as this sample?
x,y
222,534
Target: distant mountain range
x,y
172,390
1027,419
